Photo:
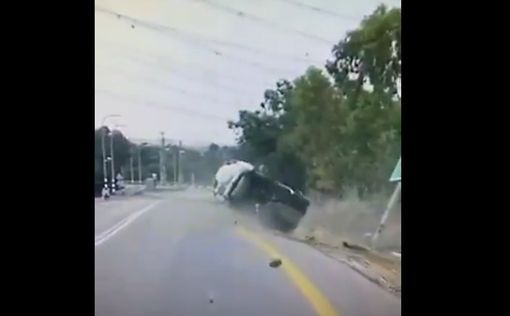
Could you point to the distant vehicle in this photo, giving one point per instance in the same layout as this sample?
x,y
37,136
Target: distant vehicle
x,y
278,205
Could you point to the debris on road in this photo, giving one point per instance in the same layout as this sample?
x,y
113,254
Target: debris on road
x,y
210,295
353,246
310,239
275,263
384,269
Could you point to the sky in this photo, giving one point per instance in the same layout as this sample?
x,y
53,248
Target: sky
x,y
186,67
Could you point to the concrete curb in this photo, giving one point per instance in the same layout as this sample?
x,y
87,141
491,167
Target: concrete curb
x,y
136,190
171,188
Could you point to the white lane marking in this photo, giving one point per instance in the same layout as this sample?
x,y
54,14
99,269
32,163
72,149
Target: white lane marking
x,y
104,236
109,230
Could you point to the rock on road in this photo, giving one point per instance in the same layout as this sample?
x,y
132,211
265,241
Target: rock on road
x,y
183,253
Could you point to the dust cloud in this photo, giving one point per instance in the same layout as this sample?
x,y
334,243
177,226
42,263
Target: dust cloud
x,y
332,221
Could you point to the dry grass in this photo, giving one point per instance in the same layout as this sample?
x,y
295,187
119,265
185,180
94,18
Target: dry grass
x,y
331,221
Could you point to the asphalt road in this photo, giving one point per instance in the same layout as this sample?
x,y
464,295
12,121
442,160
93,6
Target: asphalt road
x,y
183,253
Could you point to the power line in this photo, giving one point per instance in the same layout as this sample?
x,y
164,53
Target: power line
x,y
201,37
321,10
194,94
192,79
162,106
189,78
206,70
255,18
164,30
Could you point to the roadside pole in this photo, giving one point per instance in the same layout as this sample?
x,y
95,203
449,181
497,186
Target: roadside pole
x,y
103,147
112,161
389,207
105,171
176,153
140,164
162,160
180,176
140,174
131,169
396,176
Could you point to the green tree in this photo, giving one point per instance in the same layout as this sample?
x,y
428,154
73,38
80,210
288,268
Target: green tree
x,y
121,149
259,133
340,128
371,54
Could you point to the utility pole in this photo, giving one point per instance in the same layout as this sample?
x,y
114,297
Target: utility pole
x,y
105,172
131,168
176,152
162,161
103,147
140,174
113,164
179,166
140,164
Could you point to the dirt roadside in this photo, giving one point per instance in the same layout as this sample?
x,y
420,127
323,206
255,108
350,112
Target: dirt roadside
x,y
342,229
383,269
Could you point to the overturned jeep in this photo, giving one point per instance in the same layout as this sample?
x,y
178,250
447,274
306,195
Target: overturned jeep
x,y
243,187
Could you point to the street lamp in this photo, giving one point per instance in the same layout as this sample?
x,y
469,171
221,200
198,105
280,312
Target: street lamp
x,y
140,161
131,165
181,175
112,155
104,132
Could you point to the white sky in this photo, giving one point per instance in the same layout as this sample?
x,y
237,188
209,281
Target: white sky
x,y
176,65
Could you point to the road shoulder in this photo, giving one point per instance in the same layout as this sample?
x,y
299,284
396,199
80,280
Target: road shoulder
x,y
381,269
111,212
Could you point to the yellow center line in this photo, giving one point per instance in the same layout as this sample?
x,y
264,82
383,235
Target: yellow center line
x,y
316,298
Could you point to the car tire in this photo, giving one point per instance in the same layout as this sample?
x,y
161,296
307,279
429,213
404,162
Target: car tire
x,y
275,216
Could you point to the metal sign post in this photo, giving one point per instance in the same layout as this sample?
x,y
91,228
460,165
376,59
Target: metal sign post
x,y
395,176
